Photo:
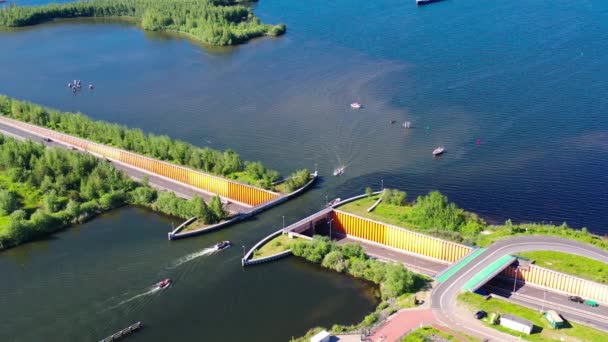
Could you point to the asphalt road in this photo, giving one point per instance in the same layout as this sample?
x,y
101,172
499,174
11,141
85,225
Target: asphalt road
x,y
444,295
418,264
541,300
156,181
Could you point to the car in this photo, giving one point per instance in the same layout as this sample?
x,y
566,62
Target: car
x,y
576,299
591,303
480,314
47,139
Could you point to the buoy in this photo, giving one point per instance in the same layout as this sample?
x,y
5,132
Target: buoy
x,y
478,142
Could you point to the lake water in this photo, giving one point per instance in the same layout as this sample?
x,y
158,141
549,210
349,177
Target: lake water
x,y
527,81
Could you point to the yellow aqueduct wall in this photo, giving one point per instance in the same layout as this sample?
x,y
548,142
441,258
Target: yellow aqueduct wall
x,y
397,237
226,188
561,282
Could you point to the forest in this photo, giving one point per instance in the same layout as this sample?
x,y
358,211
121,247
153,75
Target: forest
x,y
213,22
43,190
226,164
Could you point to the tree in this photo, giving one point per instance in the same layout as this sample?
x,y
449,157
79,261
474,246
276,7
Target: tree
x,y
51,201
9,202
335,260
217,209
369,191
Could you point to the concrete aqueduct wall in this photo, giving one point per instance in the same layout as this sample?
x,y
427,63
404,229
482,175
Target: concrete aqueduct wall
x,y
398,238
232,190
565,283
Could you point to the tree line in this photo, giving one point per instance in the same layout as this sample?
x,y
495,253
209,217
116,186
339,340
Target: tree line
x,y
214,22
227,163
44,189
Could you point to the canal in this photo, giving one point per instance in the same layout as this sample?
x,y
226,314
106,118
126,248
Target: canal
x,y
527,82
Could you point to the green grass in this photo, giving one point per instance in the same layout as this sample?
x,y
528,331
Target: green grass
x,y
277,245
575,265
542,330
387,213
426,334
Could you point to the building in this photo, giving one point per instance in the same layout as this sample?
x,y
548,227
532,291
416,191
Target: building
x,y
322,336
516,323
555,320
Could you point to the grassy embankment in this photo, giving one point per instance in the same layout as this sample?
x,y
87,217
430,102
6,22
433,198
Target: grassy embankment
x,y
213,22
542,330
579,266
278,244
425,334
432,214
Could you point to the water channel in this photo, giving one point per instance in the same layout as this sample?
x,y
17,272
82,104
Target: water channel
x,y
526,81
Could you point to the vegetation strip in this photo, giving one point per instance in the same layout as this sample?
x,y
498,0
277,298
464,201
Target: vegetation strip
x,y
460,265
493,267
45,189
542,331
225,164
214,22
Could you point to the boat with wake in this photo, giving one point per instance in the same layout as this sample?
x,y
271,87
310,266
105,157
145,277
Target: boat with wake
x,y
164,284
222,245
355,105
439,150
339,171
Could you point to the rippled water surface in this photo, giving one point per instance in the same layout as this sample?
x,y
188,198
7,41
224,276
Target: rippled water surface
x,y
528,82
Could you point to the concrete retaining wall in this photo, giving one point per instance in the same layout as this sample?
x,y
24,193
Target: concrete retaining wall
x,y
559,282
239,217
397,237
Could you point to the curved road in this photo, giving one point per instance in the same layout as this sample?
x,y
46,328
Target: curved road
x,y
444,296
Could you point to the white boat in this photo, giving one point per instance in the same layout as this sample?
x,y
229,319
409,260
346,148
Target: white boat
x,y
333,202
439,150
355,105
407,124
338,171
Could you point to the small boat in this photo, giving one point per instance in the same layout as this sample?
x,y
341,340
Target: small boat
x,y
91,87
407,124
392,121
221,245
424,2
439,150
333,202
355,105
164,284
338,171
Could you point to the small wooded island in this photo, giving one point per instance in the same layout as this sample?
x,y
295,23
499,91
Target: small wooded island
x,y
214,22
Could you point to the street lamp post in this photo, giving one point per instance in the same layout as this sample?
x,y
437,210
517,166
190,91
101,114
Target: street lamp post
x,y
283,221
382,185
330,221
243,251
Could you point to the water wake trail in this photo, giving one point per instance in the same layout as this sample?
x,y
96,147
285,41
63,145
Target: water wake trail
x,y
147,293
191,256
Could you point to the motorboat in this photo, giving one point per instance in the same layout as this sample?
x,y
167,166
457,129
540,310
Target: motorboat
x,y
355,105
407,124
439,150
221,245
338,171
164,283
425,2
333,202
